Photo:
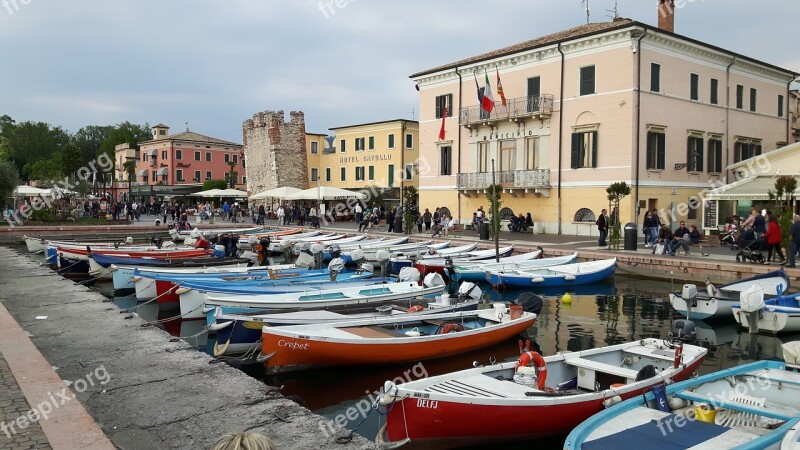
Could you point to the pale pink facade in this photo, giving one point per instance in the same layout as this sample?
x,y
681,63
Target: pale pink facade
x,y
539,138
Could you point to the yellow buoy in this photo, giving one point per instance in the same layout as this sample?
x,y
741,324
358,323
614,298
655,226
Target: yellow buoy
x,y
566,298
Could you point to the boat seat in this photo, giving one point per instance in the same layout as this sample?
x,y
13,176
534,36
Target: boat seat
x,y
588,369
651,353
730,418
733,404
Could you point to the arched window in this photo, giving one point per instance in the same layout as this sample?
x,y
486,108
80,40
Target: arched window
x,y
506,214
584,215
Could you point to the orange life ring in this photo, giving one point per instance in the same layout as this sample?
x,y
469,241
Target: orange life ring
x,y
415,308
540,365
449,328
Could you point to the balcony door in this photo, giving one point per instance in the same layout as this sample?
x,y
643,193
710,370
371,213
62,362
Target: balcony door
x,y
508,151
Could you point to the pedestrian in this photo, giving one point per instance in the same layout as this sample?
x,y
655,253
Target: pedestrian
x,y
681,238
662,241
773,237
281,215
655,227
602,227
390,221
419,222
760,225
426,219
262,214
647,223
437,217
359,212
479,216
794,240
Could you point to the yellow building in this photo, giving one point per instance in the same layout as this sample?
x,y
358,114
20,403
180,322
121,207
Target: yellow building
x,y
380,154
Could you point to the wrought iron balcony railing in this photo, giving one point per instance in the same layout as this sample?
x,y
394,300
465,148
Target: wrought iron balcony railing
x,y
518,179
515,108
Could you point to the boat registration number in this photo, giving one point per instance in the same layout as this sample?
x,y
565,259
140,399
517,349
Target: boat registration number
x,y
430,404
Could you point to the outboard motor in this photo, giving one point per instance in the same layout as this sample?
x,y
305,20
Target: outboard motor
x,y
335,251
252,241
317,251
202,242
263,250
335,268
752,302
128,240
174,235
219,251
683,330
433,279
468,291
530,302
408,274
286,248
366,268
357,256
383,260
304,260
167,245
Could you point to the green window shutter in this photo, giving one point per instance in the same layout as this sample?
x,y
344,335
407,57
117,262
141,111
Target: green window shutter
x,y
391,175
661,150
391,141
576,151
700,154
594,148
650,137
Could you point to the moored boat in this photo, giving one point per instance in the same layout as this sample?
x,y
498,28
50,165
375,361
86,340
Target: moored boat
x,y
563,275
777,315
512,402
476,270
751,406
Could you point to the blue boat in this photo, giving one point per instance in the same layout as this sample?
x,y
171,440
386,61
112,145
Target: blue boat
x,y
476,270
564,275
777,315
751,406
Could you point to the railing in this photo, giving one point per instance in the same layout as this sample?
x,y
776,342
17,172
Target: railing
x,y
515,108
519,179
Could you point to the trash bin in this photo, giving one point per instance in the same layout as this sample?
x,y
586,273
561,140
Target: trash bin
x,y
631,235
398,223
484,231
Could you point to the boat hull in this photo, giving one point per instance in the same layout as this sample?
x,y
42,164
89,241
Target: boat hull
x,y
517,282
775,319
706,308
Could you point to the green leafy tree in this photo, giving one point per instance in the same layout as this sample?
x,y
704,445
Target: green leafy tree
x,y
124,133
44,170
89,139
30,142
71,159
785,186
409,209
231,175
9,179
215,184
616,192
493,195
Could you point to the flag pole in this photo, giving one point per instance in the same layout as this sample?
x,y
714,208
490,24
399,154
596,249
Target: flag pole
x,y
495,216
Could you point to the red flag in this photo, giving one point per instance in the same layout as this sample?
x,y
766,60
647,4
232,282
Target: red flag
x,y
500,88
487,102
441,131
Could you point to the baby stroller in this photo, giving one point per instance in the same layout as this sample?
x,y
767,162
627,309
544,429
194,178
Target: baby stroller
x,y
751,251
728,238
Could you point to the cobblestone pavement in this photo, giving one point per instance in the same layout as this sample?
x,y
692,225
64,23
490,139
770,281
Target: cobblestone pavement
x,y
12,406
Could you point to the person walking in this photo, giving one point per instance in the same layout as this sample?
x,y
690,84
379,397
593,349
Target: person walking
x,y
760,225
602,227
479,216
359,212
794,240
773,237
655,227
262,214
426,219
646,225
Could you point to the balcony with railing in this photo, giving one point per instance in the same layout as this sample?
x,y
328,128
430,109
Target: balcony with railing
x,y
518,182
534,106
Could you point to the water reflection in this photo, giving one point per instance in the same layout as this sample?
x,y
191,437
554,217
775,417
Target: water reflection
x,y
598,315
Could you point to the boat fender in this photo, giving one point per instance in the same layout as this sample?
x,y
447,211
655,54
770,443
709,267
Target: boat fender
x,y
538,279
676,403
449,328
611,401
415,308
569,277
531,357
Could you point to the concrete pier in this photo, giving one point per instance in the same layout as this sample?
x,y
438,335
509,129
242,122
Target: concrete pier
x,y
158,394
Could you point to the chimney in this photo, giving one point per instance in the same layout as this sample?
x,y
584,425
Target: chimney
x,y
666,15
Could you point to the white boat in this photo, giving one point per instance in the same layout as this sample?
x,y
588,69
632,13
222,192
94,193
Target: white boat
x,y
476,270
777,315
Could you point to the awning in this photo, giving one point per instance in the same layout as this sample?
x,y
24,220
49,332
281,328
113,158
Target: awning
x,y
162,172
754,188
153,152
143,173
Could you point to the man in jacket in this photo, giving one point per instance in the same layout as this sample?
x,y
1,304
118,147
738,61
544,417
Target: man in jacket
x,y
664,238
602,227
680,238
794,240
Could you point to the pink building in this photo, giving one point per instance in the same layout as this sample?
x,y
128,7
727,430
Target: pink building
x,y
179,164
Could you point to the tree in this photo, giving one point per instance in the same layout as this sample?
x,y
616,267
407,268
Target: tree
x,y
124,133
231,175
46,169
89,139
409,208
29,142
616,192
9,179
71,160
493,195
215,184
785,186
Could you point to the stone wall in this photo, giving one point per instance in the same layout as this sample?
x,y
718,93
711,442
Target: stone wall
x,y
275,151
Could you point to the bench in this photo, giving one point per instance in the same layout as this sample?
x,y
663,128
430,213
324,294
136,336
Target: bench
x,y
588,369
720,402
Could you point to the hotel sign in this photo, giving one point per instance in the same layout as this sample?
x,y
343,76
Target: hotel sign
x,y
509,135
366,158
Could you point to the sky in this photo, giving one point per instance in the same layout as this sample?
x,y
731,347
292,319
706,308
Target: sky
x,y
215,63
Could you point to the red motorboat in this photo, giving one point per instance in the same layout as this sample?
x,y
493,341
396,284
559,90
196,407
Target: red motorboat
x,y
514,402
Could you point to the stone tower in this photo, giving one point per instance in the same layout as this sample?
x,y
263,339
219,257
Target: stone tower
x,y
275,151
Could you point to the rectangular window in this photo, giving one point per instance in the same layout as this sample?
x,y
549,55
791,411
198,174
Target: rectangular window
x,y
745,149
360,144
343,174
328,174
715,155
445,160
314,148
196,176
163,155
371,143
508,154
197,156
532,153
144,157
656,150
342,146
236,159
739,96
208,156
444,103
243,164
694,154
780,105
208,175
371,173
655,77
409,141
227,158
483,156
694,88
390,144
584,149
314,174
714,98
409,172
534,94
179,175
391,175
360,173
753,94
178,155
244,180
587,80
155,172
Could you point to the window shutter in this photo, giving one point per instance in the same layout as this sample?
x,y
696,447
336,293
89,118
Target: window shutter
x,y
534,87
661,150
594,147
650,155
449,105
700,154
439,107
576,143
689,165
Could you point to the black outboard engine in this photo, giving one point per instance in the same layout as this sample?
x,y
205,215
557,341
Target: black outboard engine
x,y
683,330
530,302
335,251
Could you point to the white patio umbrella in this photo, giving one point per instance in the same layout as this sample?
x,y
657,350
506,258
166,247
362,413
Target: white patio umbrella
x,y
325,193
230,193
280,192
208,193
29,191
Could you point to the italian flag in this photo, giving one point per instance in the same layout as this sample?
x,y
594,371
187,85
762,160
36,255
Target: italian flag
x,y
487,102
